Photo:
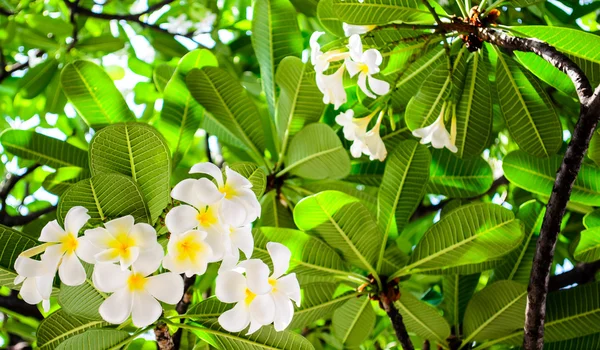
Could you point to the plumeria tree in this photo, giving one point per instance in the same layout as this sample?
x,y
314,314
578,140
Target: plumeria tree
x,y
287,174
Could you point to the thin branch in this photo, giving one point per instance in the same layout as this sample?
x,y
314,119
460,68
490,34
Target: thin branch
x,y
163,337
183,305
9,182
10,220
397,322
439,23
13,303
582,273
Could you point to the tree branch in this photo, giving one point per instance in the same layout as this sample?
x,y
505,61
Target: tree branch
x,y
182,306
582,273
163,337
386,301
13,303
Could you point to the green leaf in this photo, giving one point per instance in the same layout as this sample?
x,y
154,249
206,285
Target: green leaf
x,y
587,342
266,338
310,256
55,97
300,101
344,223
96,339
474,110
579,47
592,219
328,18
161,76
457,291
107,197
59,181
495,311
370,12
274,213
465,241
523,3
100,44
230,108
94,95
275,35
37,78
83,300
181,114
527,109
517,265
12,243
139,151
317,153
426,105
210,308
353,322
458,178
402,188
43,149
254,174
537,175
60,326
421,318
588,247
393,260
317,303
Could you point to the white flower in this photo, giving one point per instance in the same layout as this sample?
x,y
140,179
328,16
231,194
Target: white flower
x,y
437,134
33,58
239,205
188,253
206,24
179,25
321,60
374,142
122,241
332,87
353,128
358,148
236,239
351,29
365,64
37,277
136,293
254,305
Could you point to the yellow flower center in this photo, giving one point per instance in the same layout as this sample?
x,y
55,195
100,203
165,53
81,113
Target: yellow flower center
x,y
363,68
136,282
206,217
273,283
122,244
69,243
249,296
228,191
188,248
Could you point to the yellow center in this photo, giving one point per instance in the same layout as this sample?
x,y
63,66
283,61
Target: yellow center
x,y
136,282
206,217
228,191
249,296
363,68
69,243
121,243
188,249
273,283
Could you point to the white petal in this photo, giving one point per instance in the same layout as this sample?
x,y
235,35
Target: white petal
x,y
46,305
132,255
143,234
146,310
380,87
29,292
372,58
52,232
99,237
257,276
236,319
254,326
109,277
352,67
209,169
289,286
185,192
107,256
51,257
216,242
120,225
229,262
235,180
70,271
234,212
207,192
166,287
44,285
117,307
86,251
284,311
181,219
230,287
242,239
76,218
315,48
149,259
362,84
356,48
452,148
262,309
28,267
280,255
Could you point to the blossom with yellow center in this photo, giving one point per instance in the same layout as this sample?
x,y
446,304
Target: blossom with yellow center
x,y
365,64
188,253
123,241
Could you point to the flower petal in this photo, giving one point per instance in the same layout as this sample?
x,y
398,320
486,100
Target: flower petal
x,y
128,259
185,192
27,267
120,225
86,251
356,48
44,285
284,311
207,192
372,58
166,287
236,319
216,243
257,276
143,234
262,309
181,219
380,87
109,278
29,292
352,67
149,259
107,256
362,84
52,232
146,310
70,270
230,287
280,255
76,218
234,212
235,180
209,169
242,239
99,237
117,307
289,286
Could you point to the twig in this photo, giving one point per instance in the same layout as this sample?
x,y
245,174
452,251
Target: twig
x,y
163,337
182,306
397,322
73,20
13,303
9,182
582,273
439,23
10,220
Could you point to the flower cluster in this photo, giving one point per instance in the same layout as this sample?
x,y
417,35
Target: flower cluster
x,y
212,225
182,26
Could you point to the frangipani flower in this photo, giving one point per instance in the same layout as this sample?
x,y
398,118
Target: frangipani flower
x,y
37,277
375,144
239,205
254,305
179,25
351,29
321,60
437,134
354,128
188,253
136,293
236,239
206,24
332,87
365,64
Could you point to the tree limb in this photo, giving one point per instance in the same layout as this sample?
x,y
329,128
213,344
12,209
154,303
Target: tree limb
x,y
582,273
387,304
163,337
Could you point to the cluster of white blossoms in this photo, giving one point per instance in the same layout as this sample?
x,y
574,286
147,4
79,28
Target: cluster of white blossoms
x,y
182,26
213,225
436,133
